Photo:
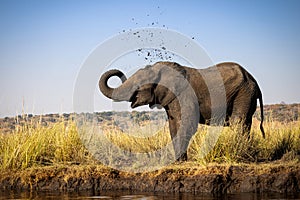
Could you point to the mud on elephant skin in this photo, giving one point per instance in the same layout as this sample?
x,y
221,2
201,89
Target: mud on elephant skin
x,y
184,93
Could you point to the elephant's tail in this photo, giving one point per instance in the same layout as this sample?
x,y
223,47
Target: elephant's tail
x,y
261,105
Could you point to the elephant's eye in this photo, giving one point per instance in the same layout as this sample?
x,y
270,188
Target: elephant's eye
x,y
139,91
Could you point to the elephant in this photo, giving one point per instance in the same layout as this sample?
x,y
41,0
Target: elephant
x,y
186,97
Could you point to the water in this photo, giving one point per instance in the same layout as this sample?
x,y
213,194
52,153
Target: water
x,y
137,196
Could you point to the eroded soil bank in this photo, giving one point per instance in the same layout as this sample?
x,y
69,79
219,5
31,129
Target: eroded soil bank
x,y
188,177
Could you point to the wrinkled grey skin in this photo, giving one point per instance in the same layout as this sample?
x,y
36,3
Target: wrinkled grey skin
x,y
184,94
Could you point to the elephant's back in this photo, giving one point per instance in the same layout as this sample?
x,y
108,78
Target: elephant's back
x,y
235,77
231,72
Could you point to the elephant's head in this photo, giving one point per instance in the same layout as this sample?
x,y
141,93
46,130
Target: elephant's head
x,y
155,84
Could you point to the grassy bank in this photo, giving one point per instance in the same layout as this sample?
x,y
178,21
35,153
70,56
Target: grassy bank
x,y
34,145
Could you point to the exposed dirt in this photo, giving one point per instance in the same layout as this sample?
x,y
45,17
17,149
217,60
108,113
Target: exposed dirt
x,y
187,177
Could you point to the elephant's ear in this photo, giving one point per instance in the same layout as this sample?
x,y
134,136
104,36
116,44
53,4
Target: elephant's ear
x,y
173,80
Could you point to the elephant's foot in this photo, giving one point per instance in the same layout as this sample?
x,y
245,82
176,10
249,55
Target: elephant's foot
x,y
182,157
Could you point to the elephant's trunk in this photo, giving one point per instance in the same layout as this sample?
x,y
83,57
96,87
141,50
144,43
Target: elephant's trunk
x,y
118,94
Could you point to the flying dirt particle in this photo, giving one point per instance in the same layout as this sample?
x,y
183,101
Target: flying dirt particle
x,y
132,19
148,54
152,23
164,48
193,38
123,31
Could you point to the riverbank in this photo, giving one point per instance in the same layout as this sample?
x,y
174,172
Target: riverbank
x,y
48,153
185,177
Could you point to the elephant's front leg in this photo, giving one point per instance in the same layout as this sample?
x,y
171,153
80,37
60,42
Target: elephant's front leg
x,y
182,124
174,124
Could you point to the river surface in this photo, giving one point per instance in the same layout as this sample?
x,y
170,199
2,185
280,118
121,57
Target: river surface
x,y
138,196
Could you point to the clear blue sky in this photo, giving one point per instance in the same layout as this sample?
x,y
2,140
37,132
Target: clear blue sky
x,y
44,43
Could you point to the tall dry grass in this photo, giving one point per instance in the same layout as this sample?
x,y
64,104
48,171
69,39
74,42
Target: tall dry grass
x,y
282,142
37,145
33,145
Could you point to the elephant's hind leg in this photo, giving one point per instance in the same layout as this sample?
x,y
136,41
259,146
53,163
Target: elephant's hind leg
x,y
244,107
